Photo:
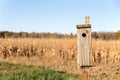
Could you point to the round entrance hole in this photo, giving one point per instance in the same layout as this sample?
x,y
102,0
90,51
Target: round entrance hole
x,y
83,35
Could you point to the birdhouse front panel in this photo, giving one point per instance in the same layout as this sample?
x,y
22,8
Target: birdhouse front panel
x,y
84,46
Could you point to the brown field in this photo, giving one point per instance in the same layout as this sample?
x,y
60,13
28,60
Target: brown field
x,y
61,55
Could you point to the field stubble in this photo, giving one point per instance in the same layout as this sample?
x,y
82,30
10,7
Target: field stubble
x,y
61,54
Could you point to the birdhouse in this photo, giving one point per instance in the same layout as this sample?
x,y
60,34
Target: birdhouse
x,y
84,55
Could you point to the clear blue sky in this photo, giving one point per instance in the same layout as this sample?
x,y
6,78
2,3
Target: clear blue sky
x,y
59,16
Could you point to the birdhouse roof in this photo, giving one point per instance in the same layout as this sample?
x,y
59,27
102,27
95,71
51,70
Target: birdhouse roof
x,y
81,26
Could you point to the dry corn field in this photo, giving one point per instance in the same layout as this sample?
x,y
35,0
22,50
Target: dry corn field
x,y
61,55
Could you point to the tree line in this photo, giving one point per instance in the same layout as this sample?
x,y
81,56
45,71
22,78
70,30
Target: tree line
x,y
7,34
95,35
106,35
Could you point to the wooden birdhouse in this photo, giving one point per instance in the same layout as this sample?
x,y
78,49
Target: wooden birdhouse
x,y
84,53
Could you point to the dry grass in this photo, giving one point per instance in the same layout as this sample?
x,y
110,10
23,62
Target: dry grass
x,y
106,51
47,53
61,55
103,51
64,48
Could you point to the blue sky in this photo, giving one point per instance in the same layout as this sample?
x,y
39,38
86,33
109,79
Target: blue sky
x,y
59,16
